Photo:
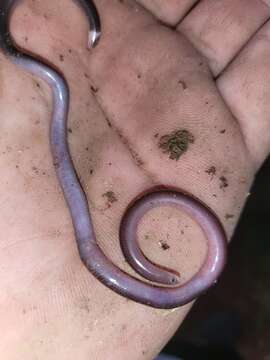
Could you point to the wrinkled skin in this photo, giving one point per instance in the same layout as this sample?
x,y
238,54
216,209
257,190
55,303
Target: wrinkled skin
x,y
143,79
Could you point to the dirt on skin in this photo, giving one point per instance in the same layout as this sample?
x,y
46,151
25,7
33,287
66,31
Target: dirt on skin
x,y
110,196
223,182
176,143
211,171
164,246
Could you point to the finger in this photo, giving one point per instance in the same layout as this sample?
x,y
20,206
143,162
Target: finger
x,y
170,12
245,86
219,29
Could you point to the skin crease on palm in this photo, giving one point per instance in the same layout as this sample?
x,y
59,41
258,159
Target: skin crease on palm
x,y
143,79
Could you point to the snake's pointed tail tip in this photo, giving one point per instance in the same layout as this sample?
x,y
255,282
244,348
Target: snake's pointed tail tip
x,y
93,38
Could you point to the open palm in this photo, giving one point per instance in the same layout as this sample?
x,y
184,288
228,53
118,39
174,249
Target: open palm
x,y
170,96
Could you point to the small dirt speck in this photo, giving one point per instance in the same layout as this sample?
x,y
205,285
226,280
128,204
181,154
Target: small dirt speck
x,y
229,216
164,246
70,130
176,143
211,171
222,131
139,76
108,122
110,196
91,171
223,182
94,89
156,135
61,57
183,84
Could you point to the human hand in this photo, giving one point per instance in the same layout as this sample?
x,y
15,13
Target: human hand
x,y
142,82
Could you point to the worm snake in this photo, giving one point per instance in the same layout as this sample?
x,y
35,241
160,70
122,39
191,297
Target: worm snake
x,y
164,290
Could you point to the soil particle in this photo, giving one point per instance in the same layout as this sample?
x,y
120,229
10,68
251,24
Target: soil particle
x,y
111,197
164,246
183,84
211,171
108,122
94,89
56,164
223,182
176,143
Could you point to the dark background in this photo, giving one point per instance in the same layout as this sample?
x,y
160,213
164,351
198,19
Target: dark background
x,y
232,321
